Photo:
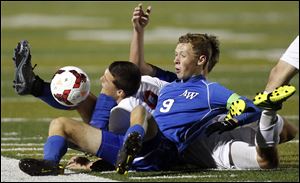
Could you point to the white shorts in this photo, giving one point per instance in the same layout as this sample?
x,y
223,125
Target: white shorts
x,y
213,151
291,55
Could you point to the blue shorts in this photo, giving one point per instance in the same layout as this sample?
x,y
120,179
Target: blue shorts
x,y
158,153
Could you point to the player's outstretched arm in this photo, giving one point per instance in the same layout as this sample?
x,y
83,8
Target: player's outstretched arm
x,y
140,20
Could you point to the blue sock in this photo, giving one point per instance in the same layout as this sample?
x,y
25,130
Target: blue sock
x,y
135,128
101,112
55,147
47,97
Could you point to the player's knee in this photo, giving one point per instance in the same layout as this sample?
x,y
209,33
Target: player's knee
x,y
269,164
289,132
138,115
268,158
57,125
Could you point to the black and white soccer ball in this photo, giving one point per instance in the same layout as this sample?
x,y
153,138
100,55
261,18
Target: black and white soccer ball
x,y
70,85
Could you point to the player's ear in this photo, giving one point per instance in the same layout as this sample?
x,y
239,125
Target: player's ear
x,y
201,60
121,93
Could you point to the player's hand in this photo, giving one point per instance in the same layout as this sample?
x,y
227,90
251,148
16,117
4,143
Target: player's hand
x,y
140,19
221,126
79,163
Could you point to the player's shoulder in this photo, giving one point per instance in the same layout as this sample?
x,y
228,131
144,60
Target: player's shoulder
x,y
128,103
150,79
152,82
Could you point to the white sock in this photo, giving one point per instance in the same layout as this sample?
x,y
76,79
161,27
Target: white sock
x,y
270,126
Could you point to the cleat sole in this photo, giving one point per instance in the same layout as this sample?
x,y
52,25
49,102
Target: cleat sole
x,y
274,100
236,108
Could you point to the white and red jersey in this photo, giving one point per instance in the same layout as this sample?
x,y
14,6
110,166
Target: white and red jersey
x,y
291,55
146,96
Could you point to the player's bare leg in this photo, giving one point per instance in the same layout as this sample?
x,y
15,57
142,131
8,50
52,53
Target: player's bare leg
x,y
61,131
288,132
86,108
271,124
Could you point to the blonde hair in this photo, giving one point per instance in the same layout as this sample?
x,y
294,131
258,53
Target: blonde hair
x,y
203,44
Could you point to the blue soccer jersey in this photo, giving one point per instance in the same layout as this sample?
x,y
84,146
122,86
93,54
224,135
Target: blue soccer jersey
x,y
184,109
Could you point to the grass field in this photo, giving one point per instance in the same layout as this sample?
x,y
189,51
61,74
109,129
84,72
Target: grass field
x,y
90,35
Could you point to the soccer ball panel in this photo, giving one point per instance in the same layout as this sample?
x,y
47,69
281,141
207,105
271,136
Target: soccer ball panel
x,y
70,86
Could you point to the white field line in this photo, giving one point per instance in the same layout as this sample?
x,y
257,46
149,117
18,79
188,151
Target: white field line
x,y
22,149
167,34
10,172
52,21
178,177
20,138
16,144
31,20
47,119
10,133
41,154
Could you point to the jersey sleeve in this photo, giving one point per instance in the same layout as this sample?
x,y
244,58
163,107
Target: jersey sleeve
x,y
219,95
101,113
164,75
291,55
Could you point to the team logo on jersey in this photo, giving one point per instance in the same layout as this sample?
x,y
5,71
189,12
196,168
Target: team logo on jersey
x,y
150,99
189,95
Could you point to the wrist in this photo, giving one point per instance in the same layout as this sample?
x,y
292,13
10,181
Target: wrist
x,y
88,166
138,30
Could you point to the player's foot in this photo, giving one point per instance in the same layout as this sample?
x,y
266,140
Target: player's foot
x,y
236,108
128,152
39,167
274,100
24,76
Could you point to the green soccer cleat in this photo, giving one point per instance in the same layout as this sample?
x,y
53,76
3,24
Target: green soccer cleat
x,y
236,108
274,100
40,167
128,152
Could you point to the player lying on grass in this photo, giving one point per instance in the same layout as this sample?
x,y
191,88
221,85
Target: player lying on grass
x,y
64,128
191,110
58,122
100,112
120,81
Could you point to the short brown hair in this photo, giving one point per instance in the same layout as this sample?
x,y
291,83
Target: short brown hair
x,y
127,76
203,44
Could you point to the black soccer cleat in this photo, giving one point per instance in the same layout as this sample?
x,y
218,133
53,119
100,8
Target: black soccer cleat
x,y
24,75
40,167
128,152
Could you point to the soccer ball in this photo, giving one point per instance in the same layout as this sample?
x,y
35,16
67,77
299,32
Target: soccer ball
x,y
70,85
